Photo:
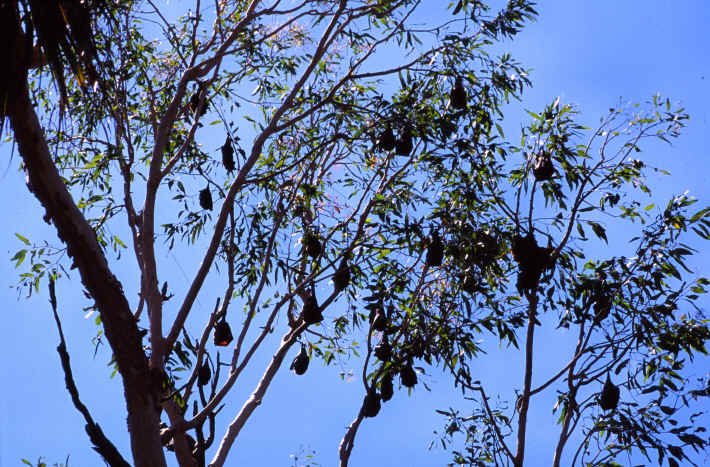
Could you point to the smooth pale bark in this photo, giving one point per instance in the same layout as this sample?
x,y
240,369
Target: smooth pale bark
x,y
141,389
527,382
254,400
348,441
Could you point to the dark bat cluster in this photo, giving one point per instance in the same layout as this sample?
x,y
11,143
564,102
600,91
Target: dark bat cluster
x,y
300,363
195,107
378,319
383,350
403,145
311,312
609,398
222,333
532,261
228,155
435,250
407,375
485,248
482,253
312,245
371,404
386,387
402,365
227,150
206,199
602,303
341,278
543,168
204,373
387,140
458,95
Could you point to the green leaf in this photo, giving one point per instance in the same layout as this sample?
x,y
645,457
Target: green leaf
x,y
19,257
599,231
119,242
24,240
700,214
580,230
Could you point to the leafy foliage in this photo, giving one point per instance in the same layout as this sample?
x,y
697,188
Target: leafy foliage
x,y
399,172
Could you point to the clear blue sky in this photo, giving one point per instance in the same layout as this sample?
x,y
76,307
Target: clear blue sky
x,y
589,53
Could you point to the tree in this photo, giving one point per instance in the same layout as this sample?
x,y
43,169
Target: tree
x,y
620,390
338,184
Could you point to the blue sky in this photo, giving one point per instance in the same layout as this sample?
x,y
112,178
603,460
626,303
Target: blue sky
x,y
588,53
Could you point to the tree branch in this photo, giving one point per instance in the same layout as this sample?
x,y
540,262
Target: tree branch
x,y
348,441
255,400
525,397
102,445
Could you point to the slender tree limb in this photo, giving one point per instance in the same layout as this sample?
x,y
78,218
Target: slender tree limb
x,y
348,441
102,445
569,365
255,400
527,382
496,428
570,407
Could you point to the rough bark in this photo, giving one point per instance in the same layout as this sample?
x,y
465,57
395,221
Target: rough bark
x,y
120,327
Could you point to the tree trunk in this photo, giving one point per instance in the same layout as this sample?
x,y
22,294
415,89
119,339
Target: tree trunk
x,y
141,385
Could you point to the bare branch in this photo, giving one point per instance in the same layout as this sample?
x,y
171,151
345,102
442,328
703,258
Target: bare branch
x,y
348,441
255,400
102,445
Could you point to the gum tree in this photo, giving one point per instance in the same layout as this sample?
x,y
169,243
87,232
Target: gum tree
x,y
360,162
322,172
624,387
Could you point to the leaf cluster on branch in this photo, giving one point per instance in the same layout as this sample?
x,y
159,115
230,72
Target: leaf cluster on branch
x,y
342,174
